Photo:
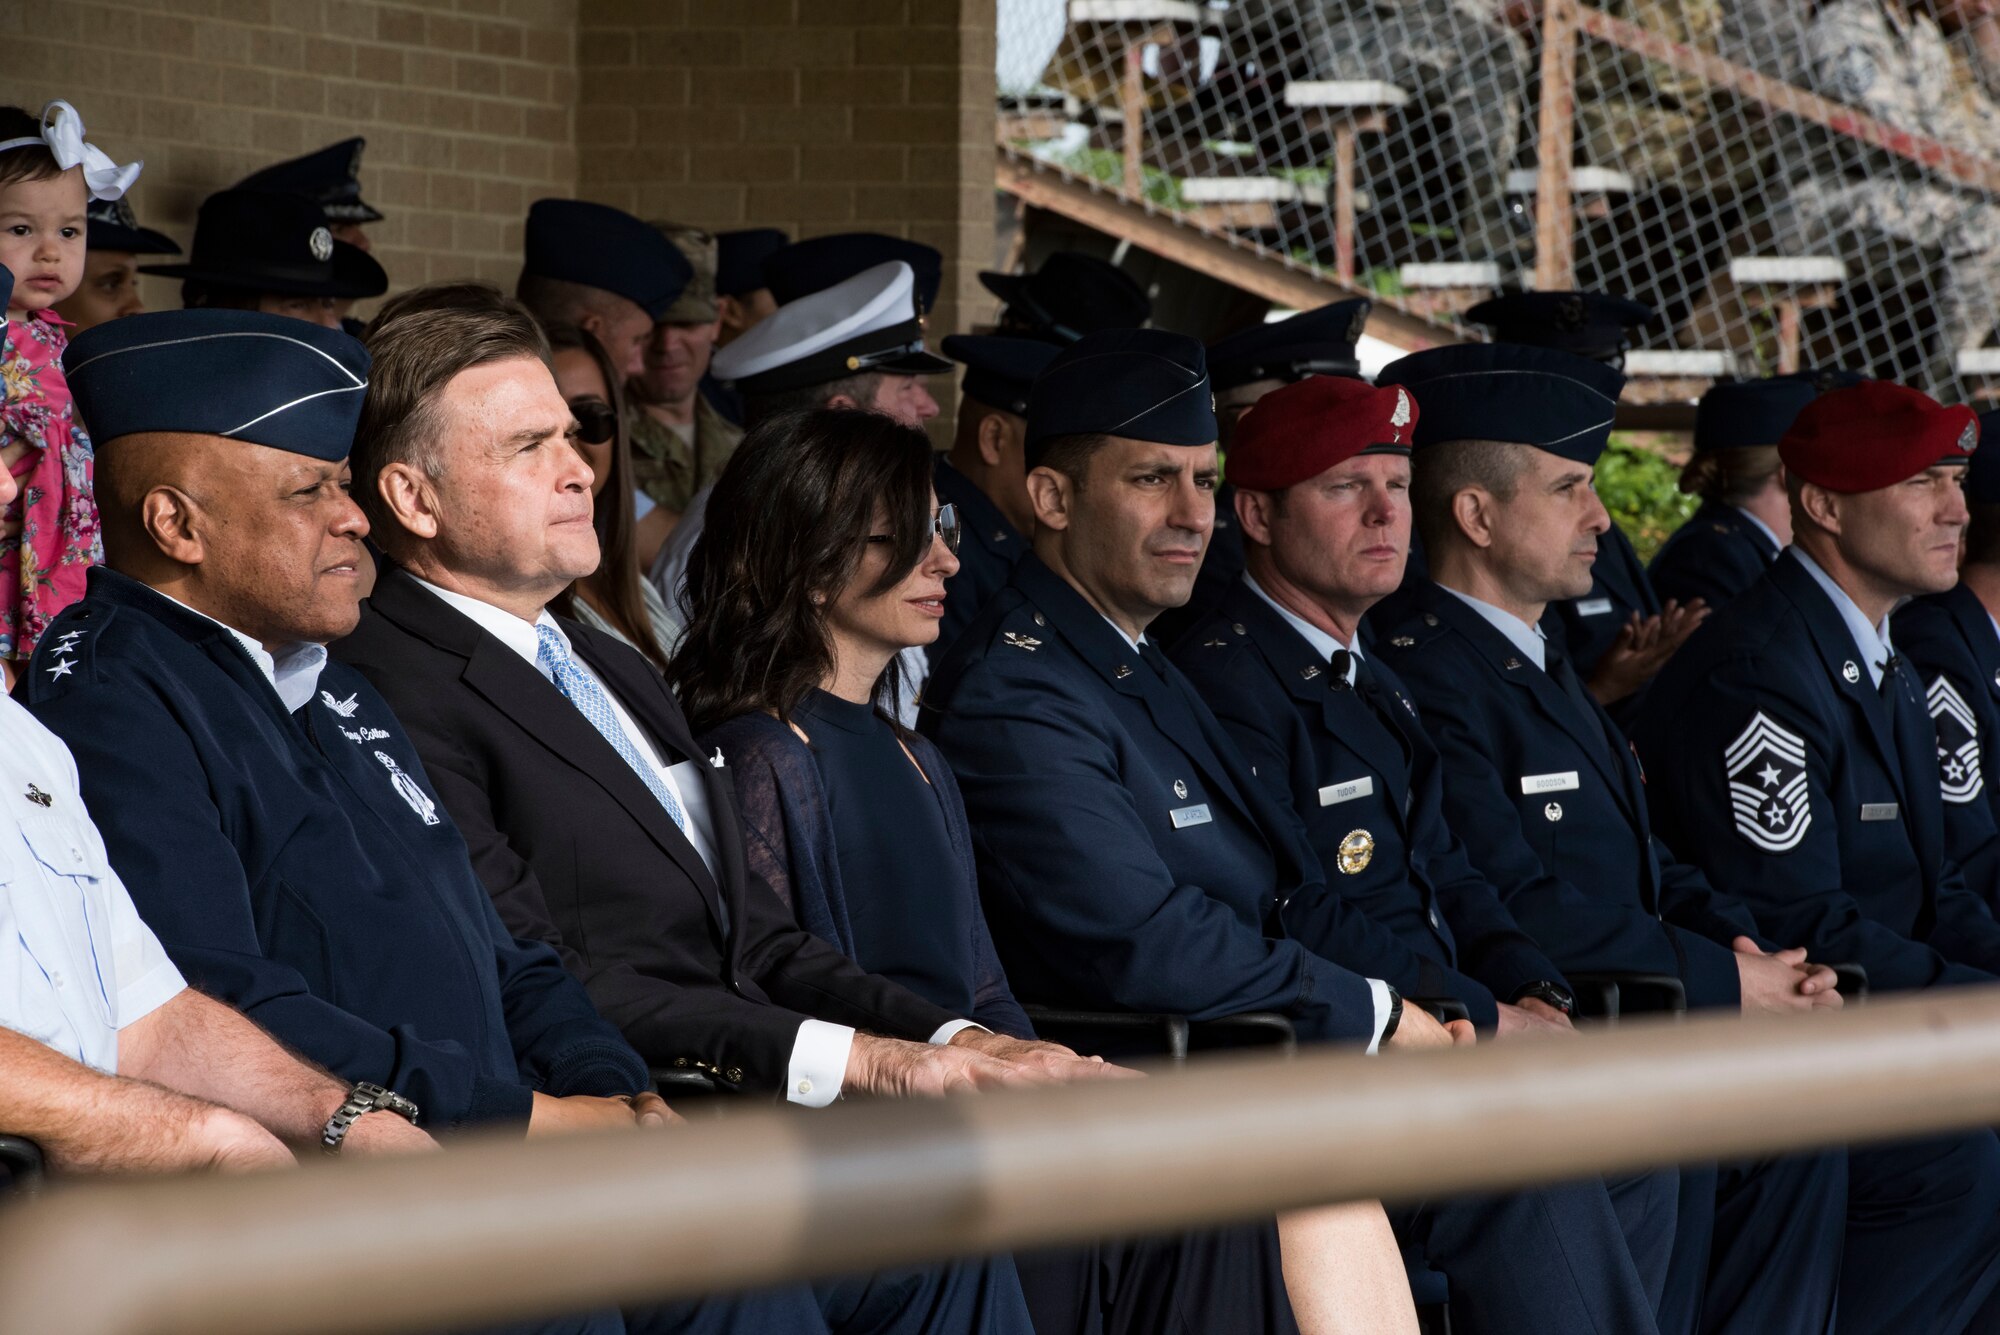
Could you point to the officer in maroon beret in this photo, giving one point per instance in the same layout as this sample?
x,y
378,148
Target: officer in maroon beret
x,y
1790,755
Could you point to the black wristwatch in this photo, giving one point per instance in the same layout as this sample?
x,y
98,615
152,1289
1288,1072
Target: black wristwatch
x,y
363,1099
1395,1016
1555,994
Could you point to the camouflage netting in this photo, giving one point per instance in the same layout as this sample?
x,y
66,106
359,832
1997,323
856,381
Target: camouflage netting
x,y
1848,150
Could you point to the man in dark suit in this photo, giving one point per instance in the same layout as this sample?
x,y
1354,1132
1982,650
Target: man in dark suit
x,y
1130,859
1953,644
594,821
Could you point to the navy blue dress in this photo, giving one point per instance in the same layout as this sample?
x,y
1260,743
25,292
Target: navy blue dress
x,y
871,857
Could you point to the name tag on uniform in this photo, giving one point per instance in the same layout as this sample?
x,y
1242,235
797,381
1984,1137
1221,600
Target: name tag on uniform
x,y
1346,792
1548,783
1183,817
1878,811
1593,607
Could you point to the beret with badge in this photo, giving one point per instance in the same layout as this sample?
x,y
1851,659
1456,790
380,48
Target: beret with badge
x,y
267,379
1511,393
269,241
1303,429
819,262
1141,384
999,370
1320,341
595,245
1874,435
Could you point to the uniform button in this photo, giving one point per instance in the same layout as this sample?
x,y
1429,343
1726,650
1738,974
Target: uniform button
x,y
1040,620
681,1062
734,1075
56,978
1436,921
1430,619
805,1086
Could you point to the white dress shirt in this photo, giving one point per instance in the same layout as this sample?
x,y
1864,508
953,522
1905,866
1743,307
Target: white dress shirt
x,y
1325,645
818,1066
1872,641
293,671
77,964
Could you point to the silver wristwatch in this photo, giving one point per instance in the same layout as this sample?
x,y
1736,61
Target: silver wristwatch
x,y
363,1099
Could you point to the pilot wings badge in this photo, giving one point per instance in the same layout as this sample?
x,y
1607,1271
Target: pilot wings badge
x,y
344,708
1957,742
419,800
1767,786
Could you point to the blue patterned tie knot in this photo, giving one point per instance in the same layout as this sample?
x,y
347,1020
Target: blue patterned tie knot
x,y
582,690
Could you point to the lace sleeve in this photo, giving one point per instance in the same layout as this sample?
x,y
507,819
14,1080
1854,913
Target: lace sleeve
x,y
786,837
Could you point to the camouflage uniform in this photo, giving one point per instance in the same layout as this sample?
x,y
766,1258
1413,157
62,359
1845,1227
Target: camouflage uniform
x,y
669,469
1887,216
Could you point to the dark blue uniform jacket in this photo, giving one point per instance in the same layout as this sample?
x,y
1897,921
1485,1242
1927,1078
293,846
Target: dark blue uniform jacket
x,y
1128,859
301,868
1777,765
1716,555
1950,642
1356,762
986,554
1553,810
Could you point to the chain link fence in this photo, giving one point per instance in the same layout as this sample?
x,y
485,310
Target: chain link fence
x,y
1785,183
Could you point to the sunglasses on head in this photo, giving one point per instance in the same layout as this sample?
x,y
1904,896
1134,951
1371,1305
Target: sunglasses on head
x,y
596,424
944,524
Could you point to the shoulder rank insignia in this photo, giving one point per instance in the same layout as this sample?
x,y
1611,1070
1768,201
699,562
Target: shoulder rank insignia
x,y
1767,785
1957,742
1019,641
62,667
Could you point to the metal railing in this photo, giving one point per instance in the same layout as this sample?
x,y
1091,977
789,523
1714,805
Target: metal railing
x,y
492,1231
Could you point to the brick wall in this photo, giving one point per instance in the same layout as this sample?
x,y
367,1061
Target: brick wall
x,y
466,107
811,115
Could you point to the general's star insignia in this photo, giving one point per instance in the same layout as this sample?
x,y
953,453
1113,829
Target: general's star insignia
x,y
63,667
1017,640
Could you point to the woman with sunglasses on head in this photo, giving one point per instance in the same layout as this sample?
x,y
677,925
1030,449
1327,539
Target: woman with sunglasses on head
x,y
616,598
824,557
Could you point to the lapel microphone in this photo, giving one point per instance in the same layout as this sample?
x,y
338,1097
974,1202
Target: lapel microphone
x,y
1339,666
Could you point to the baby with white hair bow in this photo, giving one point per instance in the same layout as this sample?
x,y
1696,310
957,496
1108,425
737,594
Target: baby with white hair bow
x,y
49,534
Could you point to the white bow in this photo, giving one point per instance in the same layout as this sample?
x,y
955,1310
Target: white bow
x,y
62,131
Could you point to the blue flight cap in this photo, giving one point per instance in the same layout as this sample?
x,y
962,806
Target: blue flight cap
x,y
999,369
1750,412
740,256
1589,324
1982,474
575,241
1315,342
1553,400
111,225
1142,384
268,379
330,177
818,262
1071,295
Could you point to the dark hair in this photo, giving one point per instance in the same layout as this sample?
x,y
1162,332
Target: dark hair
x,y
614,588
431,337
1440,471
790,517
1730,476
778,402
468,294
29,162
1070,455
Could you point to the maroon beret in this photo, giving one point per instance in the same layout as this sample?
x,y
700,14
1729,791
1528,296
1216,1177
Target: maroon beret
x,y
1303,429
1874,435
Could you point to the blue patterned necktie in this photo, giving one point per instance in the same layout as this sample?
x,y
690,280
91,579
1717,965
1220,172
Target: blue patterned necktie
x,y
589,698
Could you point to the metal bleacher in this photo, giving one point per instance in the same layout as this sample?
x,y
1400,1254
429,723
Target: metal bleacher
x,y
1429,153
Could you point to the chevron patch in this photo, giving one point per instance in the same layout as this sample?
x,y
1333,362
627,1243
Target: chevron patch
x,y
1767,785
1959,770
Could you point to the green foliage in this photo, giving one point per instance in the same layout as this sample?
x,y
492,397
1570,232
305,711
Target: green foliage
x,y
1640,490
1108,166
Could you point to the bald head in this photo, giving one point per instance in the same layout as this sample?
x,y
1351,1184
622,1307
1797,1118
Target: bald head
x,y
261,539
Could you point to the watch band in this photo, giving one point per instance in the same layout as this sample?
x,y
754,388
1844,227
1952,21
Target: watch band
x,y
363,1099
1395,1016
1555,994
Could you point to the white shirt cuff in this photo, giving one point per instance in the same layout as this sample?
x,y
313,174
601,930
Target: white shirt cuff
x,y
819,1063
947,1032
1380,991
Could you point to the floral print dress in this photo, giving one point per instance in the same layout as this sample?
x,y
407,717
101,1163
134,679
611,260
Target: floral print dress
x,y
42,569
